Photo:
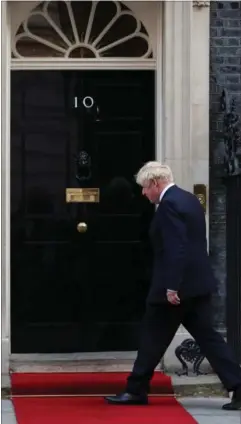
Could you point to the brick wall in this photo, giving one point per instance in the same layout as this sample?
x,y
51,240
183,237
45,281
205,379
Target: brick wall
x,y
225,69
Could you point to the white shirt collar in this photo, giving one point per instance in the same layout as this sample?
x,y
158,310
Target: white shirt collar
x,y
165,190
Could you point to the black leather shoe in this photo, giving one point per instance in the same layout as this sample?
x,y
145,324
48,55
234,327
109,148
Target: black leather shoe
x,y
235,404
127,399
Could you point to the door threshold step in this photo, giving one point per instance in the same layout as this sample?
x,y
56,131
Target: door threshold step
x,y
73,362
72,366
75,356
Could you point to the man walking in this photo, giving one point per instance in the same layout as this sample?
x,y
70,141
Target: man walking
x,y
181,288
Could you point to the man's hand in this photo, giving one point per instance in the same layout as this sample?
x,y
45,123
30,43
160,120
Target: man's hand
x,y
172,297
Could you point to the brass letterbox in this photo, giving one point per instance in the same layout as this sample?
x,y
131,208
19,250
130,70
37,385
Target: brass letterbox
x,y
82,195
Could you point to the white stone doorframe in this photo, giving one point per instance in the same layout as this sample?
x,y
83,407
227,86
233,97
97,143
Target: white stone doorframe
x,y
5,180
182,105
186,107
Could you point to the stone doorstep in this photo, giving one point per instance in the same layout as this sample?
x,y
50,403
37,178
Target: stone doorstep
x,y
80,363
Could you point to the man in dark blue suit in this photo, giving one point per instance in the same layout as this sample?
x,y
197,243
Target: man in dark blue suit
x,y
181,288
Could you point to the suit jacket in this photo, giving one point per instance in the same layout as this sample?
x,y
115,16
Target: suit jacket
x,y
178,238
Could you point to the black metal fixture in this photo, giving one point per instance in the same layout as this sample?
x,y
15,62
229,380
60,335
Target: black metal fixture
x,y
232,180
83,165
189,351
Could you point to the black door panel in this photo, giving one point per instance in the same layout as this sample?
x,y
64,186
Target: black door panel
x,y
74,291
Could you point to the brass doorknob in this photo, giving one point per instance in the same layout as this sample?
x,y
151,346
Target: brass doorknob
x,y
82,227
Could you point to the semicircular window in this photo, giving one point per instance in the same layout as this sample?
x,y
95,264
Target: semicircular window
x,y
81,29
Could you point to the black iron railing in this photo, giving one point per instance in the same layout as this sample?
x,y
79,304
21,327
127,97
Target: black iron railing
x,y
231,140
233,243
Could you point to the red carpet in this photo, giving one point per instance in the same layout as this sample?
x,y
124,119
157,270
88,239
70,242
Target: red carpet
x,y
60,409
93,410
81,383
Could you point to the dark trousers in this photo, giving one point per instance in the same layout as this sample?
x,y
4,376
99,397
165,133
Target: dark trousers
x,y
159,327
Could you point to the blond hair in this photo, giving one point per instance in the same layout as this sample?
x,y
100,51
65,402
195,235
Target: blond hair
x,y
154,171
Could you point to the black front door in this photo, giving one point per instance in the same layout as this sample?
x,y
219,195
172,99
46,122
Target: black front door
x,y
77,291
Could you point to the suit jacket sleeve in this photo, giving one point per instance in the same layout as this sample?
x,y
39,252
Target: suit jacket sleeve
x,y
174,233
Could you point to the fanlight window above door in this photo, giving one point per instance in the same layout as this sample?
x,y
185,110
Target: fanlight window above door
x,y
81,29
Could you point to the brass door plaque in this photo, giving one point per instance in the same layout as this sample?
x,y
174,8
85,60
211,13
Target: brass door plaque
x,y
201,192
82,195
